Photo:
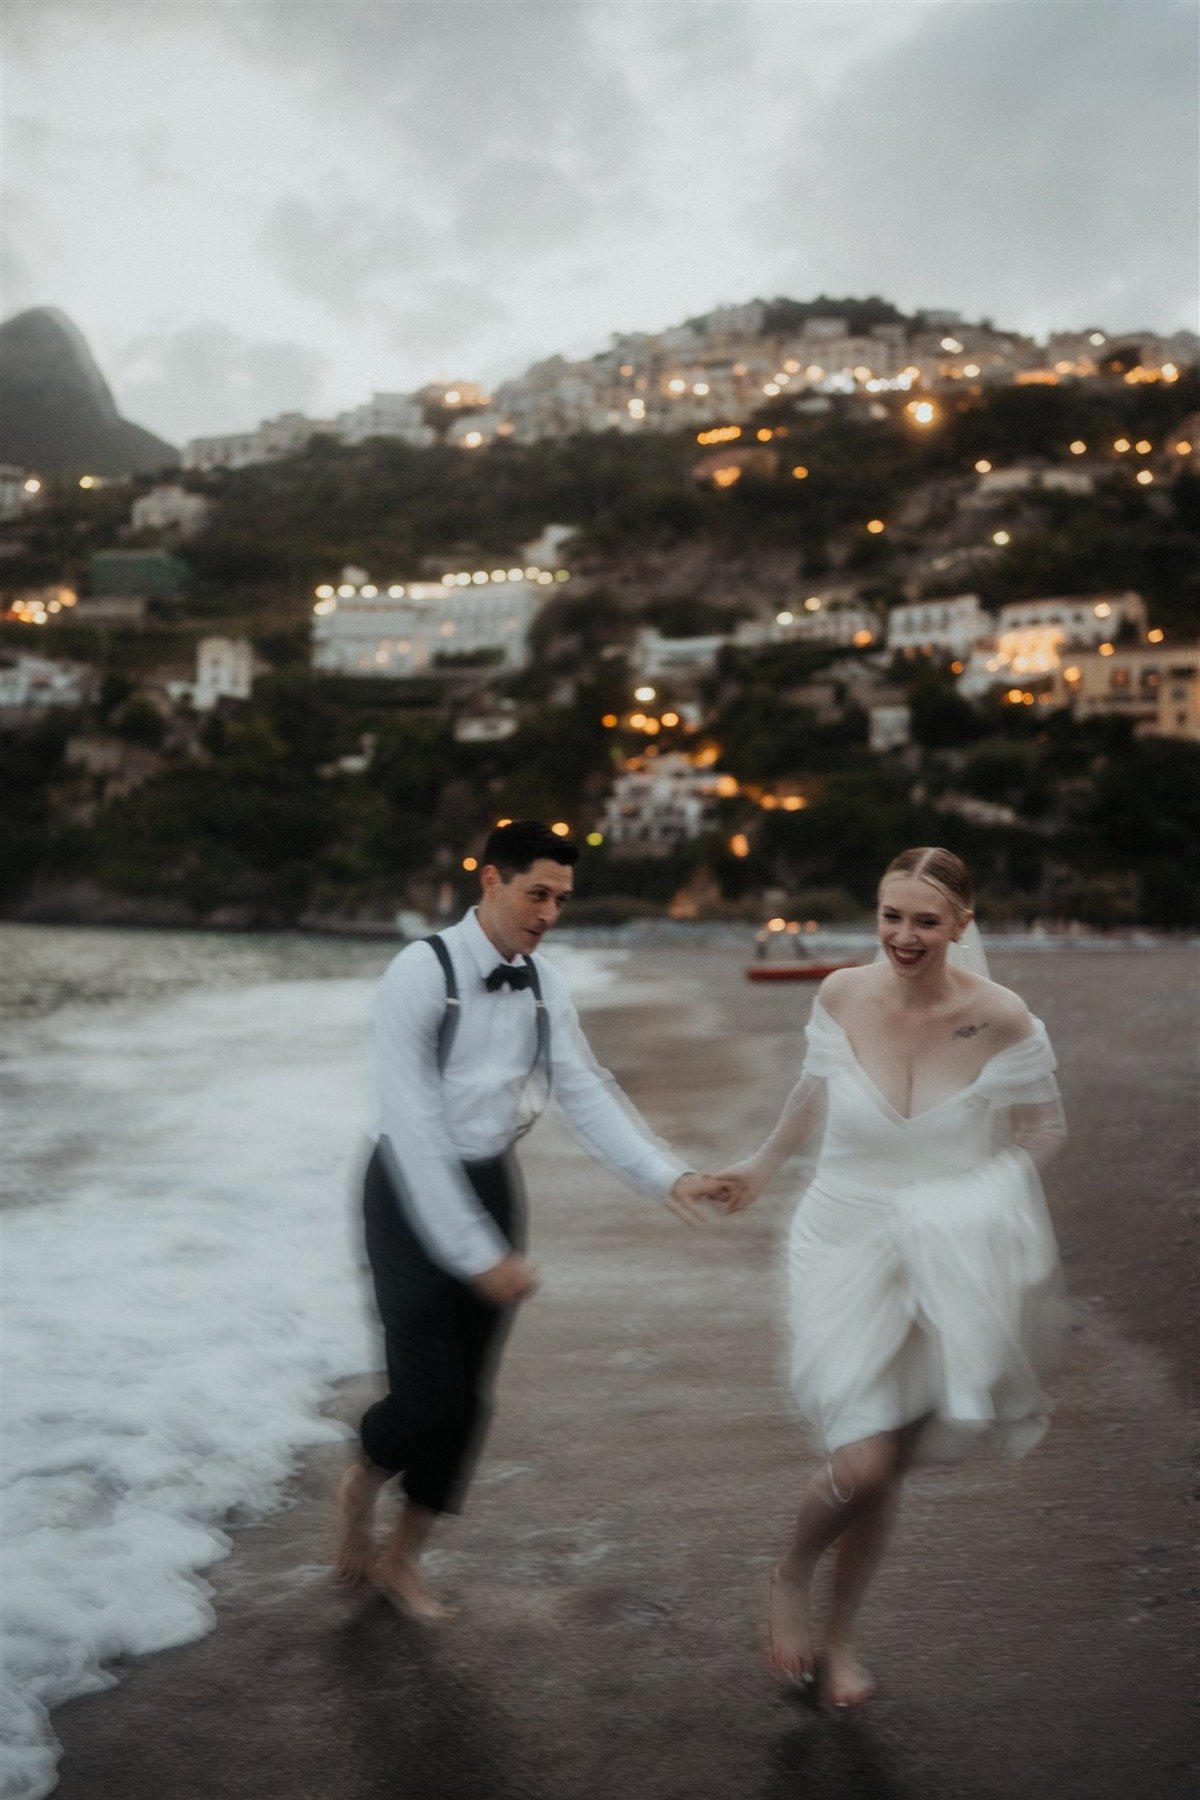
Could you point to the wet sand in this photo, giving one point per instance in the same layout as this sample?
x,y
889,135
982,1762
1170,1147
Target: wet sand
x,y
1032,1629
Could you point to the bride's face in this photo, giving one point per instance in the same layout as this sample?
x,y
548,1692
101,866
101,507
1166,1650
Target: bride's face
x,y
916,924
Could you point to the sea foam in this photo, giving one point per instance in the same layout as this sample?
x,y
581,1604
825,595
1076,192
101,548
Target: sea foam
x,y
182,1284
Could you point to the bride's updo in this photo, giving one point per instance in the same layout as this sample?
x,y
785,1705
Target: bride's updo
x,y
942,869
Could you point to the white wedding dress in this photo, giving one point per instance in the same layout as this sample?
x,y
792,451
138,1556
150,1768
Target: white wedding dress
x,y
923,1271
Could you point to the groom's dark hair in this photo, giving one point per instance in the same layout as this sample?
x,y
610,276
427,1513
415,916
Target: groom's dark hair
x,y
515,847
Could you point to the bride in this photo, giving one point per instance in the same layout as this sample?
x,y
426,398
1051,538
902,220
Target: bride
x,y
921,1261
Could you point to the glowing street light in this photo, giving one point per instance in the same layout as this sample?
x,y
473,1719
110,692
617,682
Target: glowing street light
x,y
739,844
1001,538
560,828
645,693
983,466
800,473
470,863
875,526
595,839
34,486
1078,447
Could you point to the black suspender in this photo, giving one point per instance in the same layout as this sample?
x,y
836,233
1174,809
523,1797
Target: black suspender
x,y
448,1028
449,1022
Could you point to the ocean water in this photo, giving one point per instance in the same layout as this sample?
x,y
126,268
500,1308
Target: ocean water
x,y
181,1280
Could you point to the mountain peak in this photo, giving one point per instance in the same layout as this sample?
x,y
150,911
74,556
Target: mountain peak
x,y
58,414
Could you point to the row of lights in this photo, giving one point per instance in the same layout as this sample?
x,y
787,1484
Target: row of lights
x,y
328,595
32,484
37,611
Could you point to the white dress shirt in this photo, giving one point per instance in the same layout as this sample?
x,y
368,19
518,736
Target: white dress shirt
x,y
436,1122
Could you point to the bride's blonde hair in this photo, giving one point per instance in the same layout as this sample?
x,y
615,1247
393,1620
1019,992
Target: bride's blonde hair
x,y
941,868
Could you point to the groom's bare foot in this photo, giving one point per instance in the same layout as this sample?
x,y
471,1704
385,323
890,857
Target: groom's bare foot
x,y
355,1550
791,1646
401,1581
845,1681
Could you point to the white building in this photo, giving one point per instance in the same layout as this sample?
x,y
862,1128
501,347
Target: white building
x,y
408,629
954,625
659,802
233,450
31,682
844,624
656,656
170,509
1081,618
1156,684
487,727
224,671
998,485
890,725
388,416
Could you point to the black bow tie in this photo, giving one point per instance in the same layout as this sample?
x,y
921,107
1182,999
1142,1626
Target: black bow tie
x,y
508,973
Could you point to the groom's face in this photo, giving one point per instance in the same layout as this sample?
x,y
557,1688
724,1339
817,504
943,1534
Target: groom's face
x,y
518,913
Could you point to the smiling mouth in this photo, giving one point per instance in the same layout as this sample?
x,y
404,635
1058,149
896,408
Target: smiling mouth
x,y
907,956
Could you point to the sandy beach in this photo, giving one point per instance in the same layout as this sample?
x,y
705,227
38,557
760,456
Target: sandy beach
x,y
1031,1631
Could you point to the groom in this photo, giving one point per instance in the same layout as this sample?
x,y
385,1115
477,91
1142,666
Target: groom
x,y
472,1033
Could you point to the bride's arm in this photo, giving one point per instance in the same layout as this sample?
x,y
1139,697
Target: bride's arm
x,y
1039,1130
803,1112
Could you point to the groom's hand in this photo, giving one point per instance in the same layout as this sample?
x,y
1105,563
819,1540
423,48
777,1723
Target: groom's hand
x,y
689,1194
508,1281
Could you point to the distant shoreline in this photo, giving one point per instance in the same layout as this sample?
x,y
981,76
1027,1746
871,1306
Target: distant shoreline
x,y
648,930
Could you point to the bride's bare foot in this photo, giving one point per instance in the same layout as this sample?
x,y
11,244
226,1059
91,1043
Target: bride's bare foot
x,y
845,1681
400,1580
791,1646
355,1549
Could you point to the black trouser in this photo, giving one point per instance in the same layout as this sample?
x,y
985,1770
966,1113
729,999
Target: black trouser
x,y
443,1341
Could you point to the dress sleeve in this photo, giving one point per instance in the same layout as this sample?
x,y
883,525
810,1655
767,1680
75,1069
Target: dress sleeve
x,y
804,1109
1020,1084
825,1044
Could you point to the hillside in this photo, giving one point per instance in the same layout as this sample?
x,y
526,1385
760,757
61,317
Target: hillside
x,y
57,413
133,807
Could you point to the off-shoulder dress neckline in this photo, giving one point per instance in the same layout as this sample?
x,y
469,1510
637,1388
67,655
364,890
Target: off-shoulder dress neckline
x,y
885,1105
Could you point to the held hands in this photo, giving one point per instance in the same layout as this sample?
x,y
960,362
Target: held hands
x,y
512,1279
692,1194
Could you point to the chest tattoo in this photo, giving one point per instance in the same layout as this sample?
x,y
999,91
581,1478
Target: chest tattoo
x,y
970,1031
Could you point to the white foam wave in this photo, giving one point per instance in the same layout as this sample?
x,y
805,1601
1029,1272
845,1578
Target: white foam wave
x,y
181,1286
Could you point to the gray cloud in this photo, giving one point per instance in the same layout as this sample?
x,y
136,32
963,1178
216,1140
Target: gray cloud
x,y
1036,162
337,252
446,321
481,182
205,378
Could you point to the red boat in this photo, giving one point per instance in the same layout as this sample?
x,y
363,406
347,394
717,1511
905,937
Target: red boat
x,y
794,971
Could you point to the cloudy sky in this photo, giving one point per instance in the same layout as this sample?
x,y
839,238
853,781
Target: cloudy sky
x,y
249,205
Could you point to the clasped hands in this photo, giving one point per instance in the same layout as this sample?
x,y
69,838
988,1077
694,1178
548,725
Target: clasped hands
x,y
730,1191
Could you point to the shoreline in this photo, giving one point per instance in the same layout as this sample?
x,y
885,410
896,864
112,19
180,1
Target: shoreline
x,y
648,931
611,1563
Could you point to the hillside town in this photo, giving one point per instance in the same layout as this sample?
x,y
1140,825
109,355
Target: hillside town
x,y
842,563
723,365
